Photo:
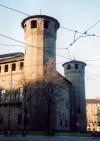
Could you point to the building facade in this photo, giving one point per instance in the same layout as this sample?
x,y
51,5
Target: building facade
x,y
93,114
17,70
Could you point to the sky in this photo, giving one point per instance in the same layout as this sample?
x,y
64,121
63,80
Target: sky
x,y
75,18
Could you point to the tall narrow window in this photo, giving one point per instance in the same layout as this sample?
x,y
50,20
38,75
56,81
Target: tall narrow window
x,y
46,24
76,66
66,123
78,110
13,67
55,27
26,121
0,69
21,65
21,92
34,24
60,121
1,120
6,68
3,95
68,67
19,119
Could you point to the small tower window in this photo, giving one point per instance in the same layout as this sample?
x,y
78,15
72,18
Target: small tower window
x,y
24,25
13,67
34,24
0,69
55,27
83,67
46,24
68,67
76,66
6,68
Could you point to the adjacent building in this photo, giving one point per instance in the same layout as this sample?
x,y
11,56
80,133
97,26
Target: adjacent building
x,y
93,114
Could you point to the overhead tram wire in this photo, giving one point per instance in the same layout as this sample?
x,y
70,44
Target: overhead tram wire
x,y
85,33
28,46
31,45
60,26
14,10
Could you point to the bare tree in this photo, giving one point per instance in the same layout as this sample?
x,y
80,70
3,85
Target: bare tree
x,y
50,87
25,96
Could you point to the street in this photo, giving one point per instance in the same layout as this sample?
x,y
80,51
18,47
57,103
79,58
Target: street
x,y
45,138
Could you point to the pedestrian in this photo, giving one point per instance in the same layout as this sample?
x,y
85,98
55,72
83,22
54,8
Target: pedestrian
x,y
92,134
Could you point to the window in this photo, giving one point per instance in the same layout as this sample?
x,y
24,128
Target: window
x,y
60,121
66,105
1,120
26,121
21,65
68,67
3,95
46,24
21,92
13,67
76,66
34,24
0,69
24,26
6,68
66,123
55,27
82,66
19,119
78,110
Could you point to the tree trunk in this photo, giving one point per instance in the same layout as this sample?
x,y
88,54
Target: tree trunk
x,y
25,120
49,114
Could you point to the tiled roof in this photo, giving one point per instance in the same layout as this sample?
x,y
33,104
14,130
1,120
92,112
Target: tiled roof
x,y
40,16
74,61
9,55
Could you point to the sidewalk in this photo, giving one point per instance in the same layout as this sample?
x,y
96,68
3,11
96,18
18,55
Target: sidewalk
x,y
44,138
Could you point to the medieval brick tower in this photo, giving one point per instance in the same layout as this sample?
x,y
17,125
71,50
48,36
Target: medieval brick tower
x,y
74,72
40,42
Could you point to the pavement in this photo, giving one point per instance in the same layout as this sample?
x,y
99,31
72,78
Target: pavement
x,y
45,138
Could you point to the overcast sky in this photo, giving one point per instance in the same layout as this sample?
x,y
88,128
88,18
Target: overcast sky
x,y
75,15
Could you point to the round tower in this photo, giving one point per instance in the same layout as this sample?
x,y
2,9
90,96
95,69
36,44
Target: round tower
x,y
74,71
40,42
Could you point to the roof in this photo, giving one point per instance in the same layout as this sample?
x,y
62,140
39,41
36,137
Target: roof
x,y
64,78
92,101
74,61
40,16
11,55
